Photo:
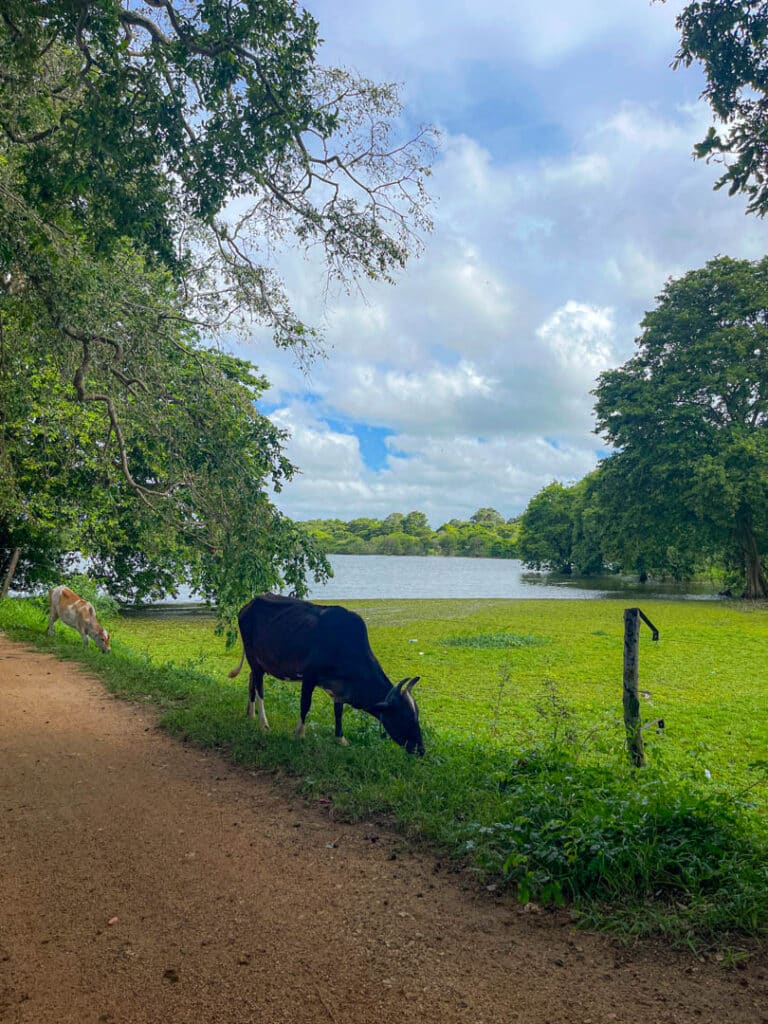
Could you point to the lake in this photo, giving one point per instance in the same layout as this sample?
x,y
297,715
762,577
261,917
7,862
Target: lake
x,y
366,577
379,576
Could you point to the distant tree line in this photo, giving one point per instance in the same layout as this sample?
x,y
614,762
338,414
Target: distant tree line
x,y
486,534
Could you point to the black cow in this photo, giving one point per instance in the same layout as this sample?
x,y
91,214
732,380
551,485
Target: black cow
x,y
326,646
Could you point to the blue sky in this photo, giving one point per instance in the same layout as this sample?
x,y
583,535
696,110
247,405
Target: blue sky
x,y
565,195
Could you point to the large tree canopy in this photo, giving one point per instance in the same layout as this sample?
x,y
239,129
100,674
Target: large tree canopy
x,y
729,38
148,120
688,415
152,158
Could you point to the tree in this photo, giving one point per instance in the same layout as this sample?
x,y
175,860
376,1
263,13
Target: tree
x,y
688,415
486,517
546,529
651,536
587,538
447,538
410,534
364,527
729,38
398,544
147,121
63,488
152,155
392,524
417,525
561,529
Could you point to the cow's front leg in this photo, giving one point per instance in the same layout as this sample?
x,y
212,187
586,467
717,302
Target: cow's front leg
x,y
51,619
307,687
338,711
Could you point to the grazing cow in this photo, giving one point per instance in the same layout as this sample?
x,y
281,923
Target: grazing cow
x,y
78,613
326,646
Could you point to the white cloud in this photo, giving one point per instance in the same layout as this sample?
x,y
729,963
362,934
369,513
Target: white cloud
x,y
500,472
440,34
579,338
330,454
437,400
585,170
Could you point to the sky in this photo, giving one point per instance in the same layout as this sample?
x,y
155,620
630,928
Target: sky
x,y
564,196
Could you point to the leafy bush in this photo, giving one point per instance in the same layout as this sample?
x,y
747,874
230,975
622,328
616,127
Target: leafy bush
x,y
608,840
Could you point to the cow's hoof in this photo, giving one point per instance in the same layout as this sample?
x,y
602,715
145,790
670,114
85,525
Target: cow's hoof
x,y
300,731
344,741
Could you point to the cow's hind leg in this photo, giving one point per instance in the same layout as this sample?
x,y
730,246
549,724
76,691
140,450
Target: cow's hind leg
x,y
338,711
256,689
307,686
52,616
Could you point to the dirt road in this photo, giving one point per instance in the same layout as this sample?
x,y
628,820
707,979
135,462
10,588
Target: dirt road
x,y
145,881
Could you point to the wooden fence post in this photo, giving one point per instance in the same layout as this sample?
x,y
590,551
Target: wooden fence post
x,y
631,692
632,722
11,570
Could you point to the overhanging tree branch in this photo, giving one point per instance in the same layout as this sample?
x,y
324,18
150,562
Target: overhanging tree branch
x,y
85,396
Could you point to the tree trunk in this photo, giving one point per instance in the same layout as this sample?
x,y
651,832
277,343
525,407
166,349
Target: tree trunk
x,y
756,588
11,570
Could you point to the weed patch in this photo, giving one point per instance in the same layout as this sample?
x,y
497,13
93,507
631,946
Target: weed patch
x,y
489,641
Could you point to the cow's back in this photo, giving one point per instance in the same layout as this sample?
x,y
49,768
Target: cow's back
x,y
72,609
61,597
289,637
65,600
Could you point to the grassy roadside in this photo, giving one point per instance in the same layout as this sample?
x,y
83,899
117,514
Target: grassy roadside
x,y
493,669
549,808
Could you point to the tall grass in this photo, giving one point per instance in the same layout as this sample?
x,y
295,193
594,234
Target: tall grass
x,y
556,815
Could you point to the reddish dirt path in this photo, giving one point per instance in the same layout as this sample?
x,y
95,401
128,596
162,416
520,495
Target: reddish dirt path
x,y
237,904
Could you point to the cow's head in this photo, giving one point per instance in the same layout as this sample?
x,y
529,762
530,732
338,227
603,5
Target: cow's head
x,y
399,714
101,639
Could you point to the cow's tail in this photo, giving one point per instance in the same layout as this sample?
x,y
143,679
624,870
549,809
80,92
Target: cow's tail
x,y
236,671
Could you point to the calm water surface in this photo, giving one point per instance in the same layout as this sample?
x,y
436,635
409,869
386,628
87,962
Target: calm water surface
x,y
366,577
378,576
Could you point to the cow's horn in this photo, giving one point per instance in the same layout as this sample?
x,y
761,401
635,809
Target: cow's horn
x,y
411,684
401,684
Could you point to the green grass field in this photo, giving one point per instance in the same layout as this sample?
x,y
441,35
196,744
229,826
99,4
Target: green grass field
x,y
707,677
526,780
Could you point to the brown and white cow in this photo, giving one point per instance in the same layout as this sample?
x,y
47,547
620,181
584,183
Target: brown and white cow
x,y
78,613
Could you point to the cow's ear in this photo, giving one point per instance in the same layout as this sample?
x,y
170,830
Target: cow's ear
x,y
380,706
